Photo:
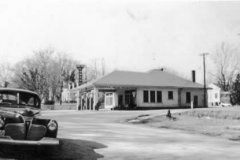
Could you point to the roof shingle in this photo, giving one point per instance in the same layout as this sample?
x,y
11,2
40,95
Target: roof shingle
x,y
145,79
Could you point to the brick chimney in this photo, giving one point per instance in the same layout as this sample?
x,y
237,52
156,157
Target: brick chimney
x,y
193,76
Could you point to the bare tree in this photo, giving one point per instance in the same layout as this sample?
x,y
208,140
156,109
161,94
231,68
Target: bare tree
x,y
45,73
96,68
32,73
62,72
6,73
103,67
227,62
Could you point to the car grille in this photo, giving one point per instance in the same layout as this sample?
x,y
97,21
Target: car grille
x,y
16,130
36,132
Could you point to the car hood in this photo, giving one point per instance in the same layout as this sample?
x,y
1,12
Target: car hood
x,y
13,112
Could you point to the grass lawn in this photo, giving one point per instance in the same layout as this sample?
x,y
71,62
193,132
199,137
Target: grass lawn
x,y
57,106
223,122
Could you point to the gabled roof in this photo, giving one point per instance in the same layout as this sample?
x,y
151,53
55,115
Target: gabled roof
x,y
145,79
214,86
85,85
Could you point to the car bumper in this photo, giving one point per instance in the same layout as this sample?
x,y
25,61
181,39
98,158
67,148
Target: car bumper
x,y
46,141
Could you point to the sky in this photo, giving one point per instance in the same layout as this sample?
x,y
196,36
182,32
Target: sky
x,y
135,35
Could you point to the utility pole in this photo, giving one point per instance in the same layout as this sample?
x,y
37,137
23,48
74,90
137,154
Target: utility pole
x,y
204,79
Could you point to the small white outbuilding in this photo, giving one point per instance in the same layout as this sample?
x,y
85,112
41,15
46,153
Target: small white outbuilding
x,y
214,93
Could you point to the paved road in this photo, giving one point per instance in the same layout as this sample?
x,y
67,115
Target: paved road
x,y
112,139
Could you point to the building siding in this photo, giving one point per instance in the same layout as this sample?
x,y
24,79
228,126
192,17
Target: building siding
x,y
214,95
170,103
194,92
165,101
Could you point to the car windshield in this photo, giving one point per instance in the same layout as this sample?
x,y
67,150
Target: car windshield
x,y
19,99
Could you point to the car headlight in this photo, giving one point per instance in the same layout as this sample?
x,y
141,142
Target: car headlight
x,y
52,125
1,123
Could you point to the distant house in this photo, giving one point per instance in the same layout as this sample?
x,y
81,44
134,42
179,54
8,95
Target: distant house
x,y
139,90
217,97
69,94
214,95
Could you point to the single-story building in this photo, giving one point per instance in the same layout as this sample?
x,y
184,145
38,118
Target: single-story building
x,y
139,90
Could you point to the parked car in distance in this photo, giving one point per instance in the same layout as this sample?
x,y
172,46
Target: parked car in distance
x,y
21,122
225,99
223,104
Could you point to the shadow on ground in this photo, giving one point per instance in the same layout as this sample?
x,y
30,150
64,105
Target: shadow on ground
x,y
69,149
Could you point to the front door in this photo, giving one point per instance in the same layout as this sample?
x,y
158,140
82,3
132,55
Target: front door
x,y
130,99
120,101
109,100
195,101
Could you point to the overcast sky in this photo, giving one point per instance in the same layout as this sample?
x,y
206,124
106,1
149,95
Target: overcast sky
x,y
129,34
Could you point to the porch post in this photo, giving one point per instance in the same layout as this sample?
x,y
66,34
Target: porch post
x,y
90,102
95,98
86,101
82,99
78,100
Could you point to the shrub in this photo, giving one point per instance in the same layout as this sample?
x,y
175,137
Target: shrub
x,y
49,102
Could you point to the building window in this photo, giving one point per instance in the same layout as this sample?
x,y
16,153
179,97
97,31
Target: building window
x,y
152,96
127,99
109,99
145,96
170,95
188,97
216,95
159,96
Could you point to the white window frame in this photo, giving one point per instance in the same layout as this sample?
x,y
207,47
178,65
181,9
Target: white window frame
x,y
111,96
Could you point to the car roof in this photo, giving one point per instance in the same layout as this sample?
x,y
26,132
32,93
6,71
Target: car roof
x,y
18,90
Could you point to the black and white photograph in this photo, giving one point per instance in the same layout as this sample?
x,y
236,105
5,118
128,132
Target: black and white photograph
x,y
119,80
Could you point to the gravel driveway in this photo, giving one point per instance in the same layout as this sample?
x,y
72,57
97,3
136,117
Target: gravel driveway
x,y
120,140
104,134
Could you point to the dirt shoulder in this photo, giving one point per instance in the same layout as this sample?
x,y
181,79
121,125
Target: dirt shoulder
x,y
221,122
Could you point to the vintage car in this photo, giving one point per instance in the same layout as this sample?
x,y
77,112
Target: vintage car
x,y
21,122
